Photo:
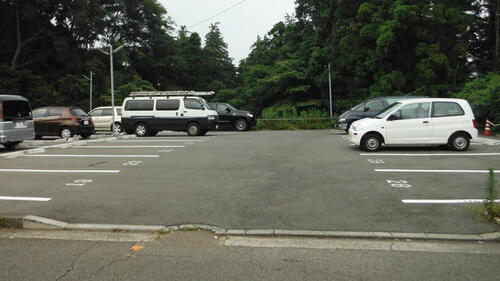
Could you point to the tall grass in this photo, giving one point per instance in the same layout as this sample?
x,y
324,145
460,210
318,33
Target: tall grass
x,y
288,117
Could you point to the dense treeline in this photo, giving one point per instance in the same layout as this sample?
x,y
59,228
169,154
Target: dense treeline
x,y
46,46
375,48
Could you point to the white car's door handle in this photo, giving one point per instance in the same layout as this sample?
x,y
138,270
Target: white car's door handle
x,y
426,122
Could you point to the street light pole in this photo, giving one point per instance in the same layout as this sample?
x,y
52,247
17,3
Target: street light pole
x,y
90,88
110,53
112,88
330,90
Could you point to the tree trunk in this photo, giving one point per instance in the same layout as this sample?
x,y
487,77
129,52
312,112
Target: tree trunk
x,y
13,63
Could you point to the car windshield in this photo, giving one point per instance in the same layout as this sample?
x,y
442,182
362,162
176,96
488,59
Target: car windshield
x,y
205,103
230,106
77,112
387,110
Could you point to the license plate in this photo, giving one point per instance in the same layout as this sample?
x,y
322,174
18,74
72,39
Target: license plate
x,y
20,125
86,122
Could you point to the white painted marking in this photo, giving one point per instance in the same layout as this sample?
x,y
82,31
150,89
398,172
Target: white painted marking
x,y
435,171
94,156
430,154
58,171
19,198
445,201
160,140
132,146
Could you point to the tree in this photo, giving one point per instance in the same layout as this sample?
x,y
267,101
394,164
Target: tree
x,y
217,65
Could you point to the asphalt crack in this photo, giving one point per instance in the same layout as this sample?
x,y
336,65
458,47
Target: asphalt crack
x,y
73,262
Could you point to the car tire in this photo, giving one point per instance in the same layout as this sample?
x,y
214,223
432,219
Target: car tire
x,y
193,129
85,136
141,130
459,142
11,145
117,128
66,132
241,125
371,143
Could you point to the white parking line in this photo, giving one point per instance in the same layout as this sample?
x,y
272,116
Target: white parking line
x,y
93,156
434,171
58,171
132,146
430,154
153,140
445,201
19,198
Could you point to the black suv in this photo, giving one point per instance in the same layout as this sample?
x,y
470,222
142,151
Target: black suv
x,y
229,116
368,108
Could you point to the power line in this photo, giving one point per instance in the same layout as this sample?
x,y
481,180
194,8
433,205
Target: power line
x,y
218,14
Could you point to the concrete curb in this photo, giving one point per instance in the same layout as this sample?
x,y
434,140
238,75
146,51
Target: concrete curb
x,y
40,223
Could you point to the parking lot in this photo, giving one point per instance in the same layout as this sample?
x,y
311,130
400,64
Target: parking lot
x,y
302,180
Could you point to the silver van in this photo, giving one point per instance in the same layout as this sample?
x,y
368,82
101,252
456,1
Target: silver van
x,y
16,121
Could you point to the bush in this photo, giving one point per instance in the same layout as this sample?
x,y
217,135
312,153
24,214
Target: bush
x,y
284,116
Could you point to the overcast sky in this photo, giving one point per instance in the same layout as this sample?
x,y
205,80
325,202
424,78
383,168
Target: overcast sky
x,y
239,26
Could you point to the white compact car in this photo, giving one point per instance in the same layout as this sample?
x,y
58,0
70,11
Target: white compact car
x,y
102,117
428,121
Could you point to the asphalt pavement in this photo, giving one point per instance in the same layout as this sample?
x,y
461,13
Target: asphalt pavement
x,y
297,180
201,256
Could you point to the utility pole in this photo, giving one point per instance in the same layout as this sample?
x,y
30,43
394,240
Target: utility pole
x,y
90,88
330,89
497,28
110,53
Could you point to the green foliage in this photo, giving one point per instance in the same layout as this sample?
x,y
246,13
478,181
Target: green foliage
x,y
135,84
483,94
318,118
47,46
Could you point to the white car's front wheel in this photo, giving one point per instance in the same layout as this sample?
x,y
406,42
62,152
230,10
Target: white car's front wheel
x,y
371,143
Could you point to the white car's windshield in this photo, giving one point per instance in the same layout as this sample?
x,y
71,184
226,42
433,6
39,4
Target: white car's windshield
x,y
387,110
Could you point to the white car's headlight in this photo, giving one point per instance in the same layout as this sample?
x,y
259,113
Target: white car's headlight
x,y
250,115
211,117
356,128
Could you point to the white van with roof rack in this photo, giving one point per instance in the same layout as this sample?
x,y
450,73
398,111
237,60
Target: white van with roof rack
x,y
147,113
423,121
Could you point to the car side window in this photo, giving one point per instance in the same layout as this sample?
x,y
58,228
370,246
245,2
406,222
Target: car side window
x,y
193,104
375,105
107,112
38,113
167,104
222,108
414,111
139,105
55,112
446,109
96,113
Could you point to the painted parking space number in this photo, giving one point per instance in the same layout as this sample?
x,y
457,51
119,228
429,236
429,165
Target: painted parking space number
x,y
132,163
79,182
376,161
399,183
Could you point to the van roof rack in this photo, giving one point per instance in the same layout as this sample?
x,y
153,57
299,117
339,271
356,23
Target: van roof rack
x,y
170,93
